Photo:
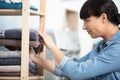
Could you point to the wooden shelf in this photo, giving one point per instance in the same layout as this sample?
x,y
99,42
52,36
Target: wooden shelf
x,y
18,12
16,78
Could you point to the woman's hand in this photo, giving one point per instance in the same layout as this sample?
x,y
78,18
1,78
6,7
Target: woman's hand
x,y
47,40
40,61
58,55
32,56
35,59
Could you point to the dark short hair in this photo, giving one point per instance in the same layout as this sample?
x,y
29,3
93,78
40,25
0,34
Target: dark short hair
x,y
97,7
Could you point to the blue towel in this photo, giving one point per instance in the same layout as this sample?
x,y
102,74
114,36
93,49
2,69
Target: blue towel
x,y
15,61
4,5
6,62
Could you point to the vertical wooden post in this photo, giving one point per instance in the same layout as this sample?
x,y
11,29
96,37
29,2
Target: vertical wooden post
x,y
42,29
42,17
25,39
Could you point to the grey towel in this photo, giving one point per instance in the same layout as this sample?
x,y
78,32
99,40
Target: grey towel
x,y
10,54
13,68
16,34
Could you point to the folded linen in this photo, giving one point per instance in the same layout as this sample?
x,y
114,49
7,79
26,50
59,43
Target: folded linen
x,y
12,37
16,61
4,5
16,74
13,1
32,2
15,68
10,54
11,61
17,43
16,34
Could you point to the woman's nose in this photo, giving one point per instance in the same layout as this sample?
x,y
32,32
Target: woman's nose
x,y
84,26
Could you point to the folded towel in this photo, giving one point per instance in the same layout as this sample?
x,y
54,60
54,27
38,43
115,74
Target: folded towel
x,y
17,33
16,61
15,68
13,1
17,43
10,54
4,5
16,74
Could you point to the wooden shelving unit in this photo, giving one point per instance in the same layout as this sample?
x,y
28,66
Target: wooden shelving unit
x,y
25,12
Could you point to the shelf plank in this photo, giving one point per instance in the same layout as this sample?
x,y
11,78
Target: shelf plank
x,y
18,78
18,12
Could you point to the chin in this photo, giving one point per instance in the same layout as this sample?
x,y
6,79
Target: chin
x,y
94,36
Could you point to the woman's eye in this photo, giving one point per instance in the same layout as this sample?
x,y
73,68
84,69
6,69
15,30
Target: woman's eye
x,y
86,20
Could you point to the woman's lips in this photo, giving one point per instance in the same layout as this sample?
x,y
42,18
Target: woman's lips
x,y
89,32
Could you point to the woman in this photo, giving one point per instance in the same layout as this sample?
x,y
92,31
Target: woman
x,y
101,19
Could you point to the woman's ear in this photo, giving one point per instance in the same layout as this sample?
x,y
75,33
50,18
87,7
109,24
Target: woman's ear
x,y
103,17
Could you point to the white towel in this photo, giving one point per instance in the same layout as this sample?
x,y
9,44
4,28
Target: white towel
x,y
13,1
11,68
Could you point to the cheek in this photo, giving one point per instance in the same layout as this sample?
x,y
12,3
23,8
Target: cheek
x,y
95,29
98,31
92,26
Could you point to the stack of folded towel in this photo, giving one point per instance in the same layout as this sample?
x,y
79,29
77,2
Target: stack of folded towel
x,y
11,38
10,51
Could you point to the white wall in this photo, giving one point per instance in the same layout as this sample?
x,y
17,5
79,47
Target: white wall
x,y
117,2
55,14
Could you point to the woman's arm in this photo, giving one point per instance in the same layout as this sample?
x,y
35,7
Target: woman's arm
x,y
57,53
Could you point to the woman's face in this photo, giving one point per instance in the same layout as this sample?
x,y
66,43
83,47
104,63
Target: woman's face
x,y
94,26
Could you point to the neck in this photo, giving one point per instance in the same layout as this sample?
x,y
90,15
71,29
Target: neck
x,y
112,30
